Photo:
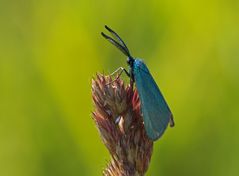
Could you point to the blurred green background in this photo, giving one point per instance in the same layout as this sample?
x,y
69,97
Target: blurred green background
x,y
50,50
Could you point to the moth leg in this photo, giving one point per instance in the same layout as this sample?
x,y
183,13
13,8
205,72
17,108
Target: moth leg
x,y
171,121
120,70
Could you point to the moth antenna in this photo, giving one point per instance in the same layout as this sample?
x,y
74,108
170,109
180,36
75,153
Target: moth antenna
x,y
118,37
115,43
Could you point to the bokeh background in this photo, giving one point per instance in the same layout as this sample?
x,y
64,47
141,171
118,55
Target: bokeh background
x,y
50,50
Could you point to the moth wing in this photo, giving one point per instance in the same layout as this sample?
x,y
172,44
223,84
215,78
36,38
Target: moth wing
x,y
156,113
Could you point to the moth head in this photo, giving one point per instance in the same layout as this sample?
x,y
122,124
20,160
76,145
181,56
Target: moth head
x,y
130,61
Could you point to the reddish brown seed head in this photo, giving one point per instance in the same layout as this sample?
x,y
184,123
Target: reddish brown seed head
x,y
119,121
